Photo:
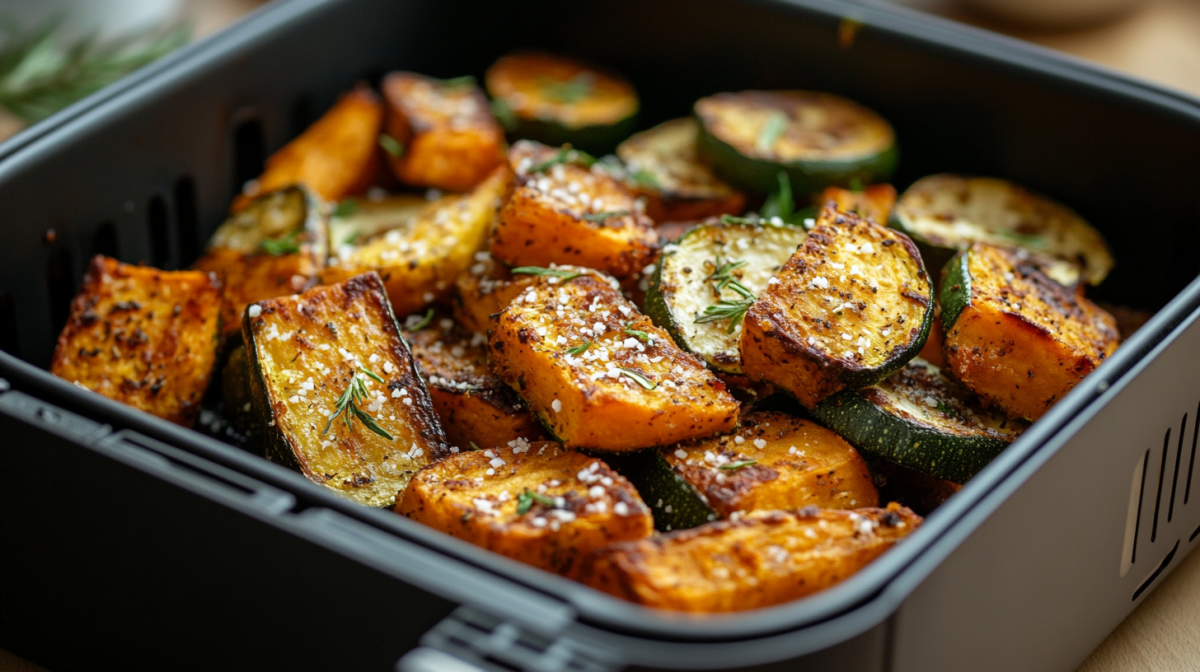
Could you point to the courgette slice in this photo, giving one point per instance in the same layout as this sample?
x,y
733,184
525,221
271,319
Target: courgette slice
x,y
336,390
358,220
817,139
849,308
557,100
947,213
714,266
921,419
662,165
1015,337
276,246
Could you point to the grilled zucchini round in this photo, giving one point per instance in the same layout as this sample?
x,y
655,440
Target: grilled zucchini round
x,y
818,139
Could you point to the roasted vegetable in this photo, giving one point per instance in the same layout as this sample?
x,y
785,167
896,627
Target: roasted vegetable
x,y
662,165
921,419
849,308
947,213
533,502
274,247
144,337
707,280
1015,337
556,100
484,290
357,220
773,461
817,139
760,559
563,212
599,374
337,392
920,492
444,133
472,403
335,157
420,261
874,202
235,395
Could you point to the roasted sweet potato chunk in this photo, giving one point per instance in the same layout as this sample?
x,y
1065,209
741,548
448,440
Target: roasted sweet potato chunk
x,y
445,133
874,202
560,211
533,502
1015,337
336,157
761,559
473,404
144,337
337,392
420,260
598,373
484,290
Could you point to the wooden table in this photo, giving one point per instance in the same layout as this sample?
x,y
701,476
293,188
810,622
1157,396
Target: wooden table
x,y
1159,42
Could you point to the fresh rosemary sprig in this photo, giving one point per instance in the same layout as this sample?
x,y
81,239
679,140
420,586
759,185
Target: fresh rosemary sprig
x,y
346,207
423,322
277,247
734,311
526,500
640,335
638,378
723,277
579,349
347,405
601,216
564,155
570,91
771,130
552,272
391,145
737,465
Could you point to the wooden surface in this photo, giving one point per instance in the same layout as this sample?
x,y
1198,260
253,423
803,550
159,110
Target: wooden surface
x,y
1159,42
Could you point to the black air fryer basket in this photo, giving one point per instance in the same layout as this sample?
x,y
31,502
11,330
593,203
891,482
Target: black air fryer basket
x,y
131,543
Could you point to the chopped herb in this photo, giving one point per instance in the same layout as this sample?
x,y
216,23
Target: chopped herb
x,y
391,145
554,272
346,208
458,82
352,238
780,203
473,446
947,410
645,178
579,349
373,376
570,91
731,219
638,378
504,114
526,500
278,247
771,130
723,277
734,311
565,155
423,322
601,216
640,335
347,406
737,465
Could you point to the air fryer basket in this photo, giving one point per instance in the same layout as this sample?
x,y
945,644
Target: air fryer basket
x,y
1048,547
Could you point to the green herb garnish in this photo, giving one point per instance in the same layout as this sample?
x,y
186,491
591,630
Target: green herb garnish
x,y
771,130
504,114
645,178
526,500
391,145
640,335
732,219
570,91
458,82
277,247
564,155
473,446
347,405
947,410
346,207
638,378
780,203
552,272
601,216
579,349
734,311
723,277
737,465
423,322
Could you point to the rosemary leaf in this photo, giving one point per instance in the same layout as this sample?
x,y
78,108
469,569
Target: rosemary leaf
x,y
347,406
564,155
526,500
278,247
734,311
372,375
737,465
579,349
422,323
601,216
552,272
771,130
640,335
638,378
391,145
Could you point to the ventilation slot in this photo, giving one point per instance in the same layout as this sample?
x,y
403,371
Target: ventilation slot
x,y
1157,572
187,218
1187,491
1175,478
60,286
1162,468
160,236
1133,515
104,241
249,152
492,644
8,324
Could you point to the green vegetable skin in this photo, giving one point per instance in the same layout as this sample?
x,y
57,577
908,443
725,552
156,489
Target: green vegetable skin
x,y
741,135
674,503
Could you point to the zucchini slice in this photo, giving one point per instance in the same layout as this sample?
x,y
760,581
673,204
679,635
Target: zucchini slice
x,y
473,405
560,211
274,247
773,461
947,213
598,373
817,139
355,221
662,165
336,390
557,100
144,337
1015,337
440,133
712,267
849,308
761,559
921,419
533,502
420,261
337,156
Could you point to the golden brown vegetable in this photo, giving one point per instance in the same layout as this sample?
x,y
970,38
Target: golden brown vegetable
x,y
337,392
445,133
598,373
420,260
1015,337
472,403
144,337
558,212
484,290
760,559
336,157
533,502
874,202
